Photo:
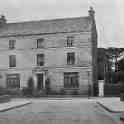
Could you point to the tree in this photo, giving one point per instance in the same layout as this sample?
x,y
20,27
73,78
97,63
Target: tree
x,y
121,65
104,59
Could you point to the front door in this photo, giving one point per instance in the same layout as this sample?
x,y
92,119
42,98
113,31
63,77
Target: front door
x,y
39,81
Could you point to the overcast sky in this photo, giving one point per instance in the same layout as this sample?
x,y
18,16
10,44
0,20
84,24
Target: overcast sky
x,y
109,15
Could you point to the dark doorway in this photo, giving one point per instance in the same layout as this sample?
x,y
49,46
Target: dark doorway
x,y
39,81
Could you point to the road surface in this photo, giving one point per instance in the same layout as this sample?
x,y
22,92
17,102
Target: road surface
x,y
43,111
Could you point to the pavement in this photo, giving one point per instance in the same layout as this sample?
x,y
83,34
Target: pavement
x,y
56,111
14,103
111,104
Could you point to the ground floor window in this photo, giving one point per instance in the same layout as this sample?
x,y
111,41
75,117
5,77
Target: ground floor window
x,y
13,81
71,80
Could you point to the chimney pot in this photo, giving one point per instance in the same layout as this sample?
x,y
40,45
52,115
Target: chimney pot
x,y
91,12
2,20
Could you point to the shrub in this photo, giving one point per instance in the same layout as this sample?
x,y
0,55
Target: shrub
x,y
62,92
5,98
2,91
121,87
122,97
39,93
13,92
112,89
95,89
53,92
30,83
47,86
26,91
114,77
74,92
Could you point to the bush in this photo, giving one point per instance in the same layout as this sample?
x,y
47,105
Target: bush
x,y
53,92
122,97
121,87
2,91
112,89
39,93
95,89
5,98
62,92
74,92
114,77
26,91
13,92
31,83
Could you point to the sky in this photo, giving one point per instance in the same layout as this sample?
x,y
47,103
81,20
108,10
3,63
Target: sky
x,y
109,15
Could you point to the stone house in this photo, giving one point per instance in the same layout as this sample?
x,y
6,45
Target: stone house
x,y
63,50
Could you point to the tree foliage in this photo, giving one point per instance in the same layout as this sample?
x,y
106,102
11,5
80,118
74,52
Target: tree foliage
x,y
104,63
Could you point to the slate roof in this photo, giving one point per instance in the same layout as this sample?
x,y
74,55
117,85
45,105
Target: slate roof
x,y
47,26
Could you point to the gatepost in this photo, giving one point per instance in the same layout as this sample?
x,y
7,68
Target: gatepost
x,y
101,88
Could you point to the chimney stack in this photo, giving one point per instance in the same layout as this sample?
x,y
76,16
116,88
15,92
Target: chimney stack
x,y
91,12
2,20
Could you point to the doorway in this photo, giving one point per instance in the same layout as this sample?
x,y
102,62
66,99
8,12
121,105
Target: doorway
x,y
40,81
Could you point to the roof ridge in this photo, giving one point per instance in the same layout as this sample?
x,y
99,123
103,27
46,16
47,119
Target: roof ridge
x,y
47,20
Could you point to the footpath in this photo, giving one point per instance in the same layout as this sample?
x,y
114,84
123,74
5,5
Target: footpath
x,y
112,104
14,103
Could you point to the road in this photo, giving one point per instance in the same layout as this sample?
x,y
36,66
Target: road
x,y
43,111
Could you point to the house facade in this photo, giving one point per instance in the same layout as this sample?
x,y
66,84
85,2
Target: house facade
x,y
61,50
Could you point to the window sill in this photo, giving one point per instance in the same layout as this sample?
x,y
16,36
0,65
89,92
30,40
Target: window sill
x,y
38,66
40,47
69,46
70,64
12,67
12,48
71,88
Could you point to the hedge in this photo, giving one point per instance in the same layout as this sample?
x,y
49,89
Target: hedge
x,y
113,89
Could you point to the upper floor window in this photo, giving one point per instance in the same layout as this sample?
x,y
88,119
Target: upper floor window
x,y
12,44
40,43
70,41
12,61
40,59
71,58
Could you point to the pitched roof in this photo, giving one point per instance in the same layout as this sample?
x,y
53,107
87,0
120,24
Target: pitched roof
x,y
47,26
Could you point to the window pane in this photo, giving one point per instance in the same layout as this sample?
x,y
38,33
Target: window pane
x,y
12,61
40,43
71,80
13,81
71,58
12,44
70,40
40,59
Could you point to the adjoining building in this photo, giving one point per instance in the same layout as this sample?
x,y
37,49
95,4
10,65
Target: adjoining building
x,y
63,50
